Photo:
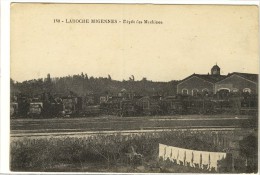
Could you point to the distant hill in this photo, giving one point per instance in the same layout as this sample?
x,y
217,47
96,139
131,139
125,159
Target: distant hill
x,y
83,85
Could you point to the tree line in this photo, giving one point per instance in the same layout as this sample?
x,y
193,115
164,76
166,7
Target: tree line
x,y
82,85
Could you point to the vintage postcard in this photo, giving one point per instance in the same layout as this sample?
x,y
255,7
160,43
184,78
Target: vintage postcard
x,y
134,88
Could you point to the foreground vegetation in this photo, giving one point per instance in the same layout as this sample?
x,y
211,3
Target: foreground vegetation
x,y
108,152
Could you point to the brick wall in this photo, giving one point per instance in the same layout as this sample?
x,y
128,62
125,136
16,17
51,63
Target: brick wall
x,y
195,83
236,82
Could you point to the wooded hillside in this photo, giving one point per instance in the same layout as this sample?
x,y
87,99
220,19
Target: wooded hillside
x,y
84,85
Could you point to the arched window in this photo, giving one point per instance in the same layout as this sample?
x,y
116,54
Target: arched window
x,y
223,92
248,90
205,91
224,89
185,91
195,92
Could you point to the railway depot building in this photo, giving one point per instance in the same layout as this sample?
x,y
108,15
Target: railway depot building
x,y
215,83
238,82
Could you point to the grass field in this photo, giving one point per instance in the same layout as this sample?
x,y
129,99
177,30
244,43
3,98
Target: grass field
x,y
108,153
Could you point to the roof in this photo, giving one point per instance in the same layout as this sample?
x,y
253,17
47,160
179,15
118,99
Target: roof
x,y
252,77
216,67
207,77
211,78
216,78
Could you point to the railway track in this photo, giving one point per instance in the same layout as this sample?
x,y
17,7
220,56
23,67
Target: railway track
x,y
84,127
122,132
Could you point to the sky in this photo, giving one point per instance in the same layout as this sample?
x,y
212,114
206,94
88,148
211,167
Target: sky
x,y
191,39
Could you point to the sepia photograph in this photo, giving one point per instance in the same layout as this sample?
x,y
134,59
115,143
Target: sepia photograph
x,y
134,88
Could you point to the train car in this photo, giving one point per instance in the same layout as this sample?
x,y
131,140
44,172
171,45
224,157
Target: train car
x,y
112,106
13,109
202,105
54,110
35,109
71,106
225,105
150,105
45,107
249,104
127,108
172,105
249,101
23,106
91,111
121,106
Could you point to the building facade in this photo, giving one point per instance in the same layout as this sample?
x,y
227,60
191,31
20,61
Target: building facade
x,y
238,82
213,83
194,85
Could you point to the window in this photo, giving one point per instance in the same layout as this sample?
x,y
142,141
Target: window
x,y
205,91
185,91
247,90
223,92
195,92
